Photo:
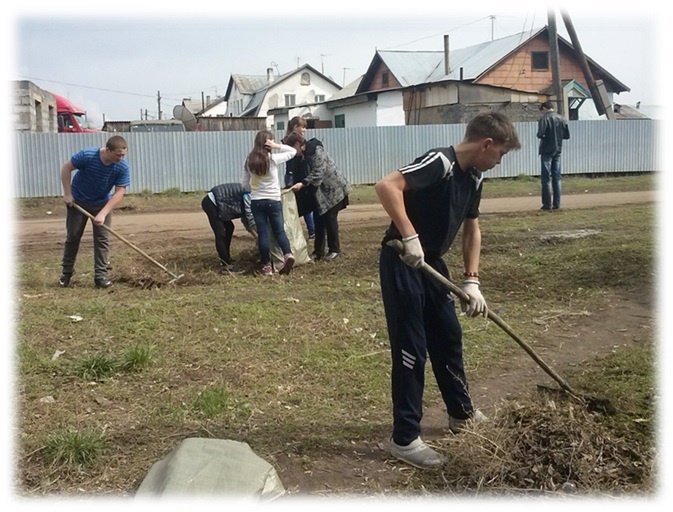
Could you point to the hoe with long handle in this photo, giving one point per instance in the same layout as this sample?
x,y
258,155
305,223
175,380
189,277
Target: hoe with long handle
x,y
132,246
427,269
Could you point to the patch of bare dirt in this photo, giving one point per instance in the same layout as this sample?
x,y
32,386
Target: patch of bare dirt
x,y
564,342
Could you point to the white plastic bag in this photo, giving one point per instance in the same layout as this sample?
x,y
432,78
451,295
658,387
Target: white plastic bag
x,y
294,233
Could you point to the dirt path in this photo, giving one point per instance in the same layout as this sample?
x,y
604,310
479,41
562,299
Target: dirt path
x,y
194,224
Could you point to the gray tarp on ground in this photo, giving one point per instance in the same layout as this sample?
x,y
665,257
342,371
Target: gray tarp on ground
x,y
201,466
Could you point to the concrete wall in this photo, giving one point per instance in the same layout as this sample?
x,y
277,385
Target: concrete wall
x,y
34,109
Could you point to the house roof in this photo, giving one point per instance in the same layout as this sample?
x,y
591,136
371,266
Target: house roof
x,y
419,67
347,91
628,112
256,86
211,105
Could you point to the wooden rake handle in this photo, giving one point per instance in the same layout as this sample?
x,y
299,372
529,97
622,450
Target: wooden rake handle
x,y
132,246
398,246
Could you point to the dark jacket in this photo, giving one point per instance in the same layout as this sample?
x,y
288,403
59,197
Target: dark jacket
x,y
552,130
330,186
233,202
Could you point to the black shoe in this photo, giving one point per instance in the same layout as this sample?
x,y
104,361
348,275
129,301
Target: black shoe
x,y
545,208
64,280
315,256
103,283
332,256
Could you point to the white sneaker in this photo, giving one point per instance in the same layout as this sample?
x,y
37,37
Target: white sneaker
x,y
456,424
417,453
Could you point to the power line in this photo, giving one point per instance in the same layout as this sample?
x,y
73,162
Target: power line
x,y
94,88
445,32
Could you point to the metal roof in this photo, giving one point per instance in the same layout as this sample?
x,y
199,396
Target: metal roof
x,y
249,84
419,67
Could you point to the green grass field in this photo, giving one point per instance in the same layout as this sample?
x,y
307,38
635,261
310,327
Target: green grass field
x,y
298,367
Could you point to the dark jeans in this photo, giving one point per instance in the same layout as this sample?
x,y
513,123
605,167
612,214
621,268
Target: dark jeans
x,y
75,222
223,230
327,226
550,179
268,214
421,317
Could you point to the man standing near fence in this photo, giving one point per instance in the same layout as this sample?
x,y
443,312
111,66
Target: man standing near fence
x,y
99,170
552,130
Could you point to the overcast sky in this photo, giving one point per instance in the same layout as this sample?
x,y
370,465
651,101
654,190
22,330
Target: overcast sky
x,y
114,62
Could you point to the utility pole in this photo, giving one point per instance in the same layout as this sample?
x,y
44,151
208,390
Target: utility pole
x,y
555,64
601,108
159,103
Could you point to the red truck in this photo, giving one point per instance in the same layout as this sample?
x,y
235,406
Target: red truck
x,y
71,119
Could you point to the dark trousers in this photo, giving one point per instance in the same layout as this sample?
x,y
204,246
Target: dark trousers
x,y
268,216
223,230
327,226
75,222
421,317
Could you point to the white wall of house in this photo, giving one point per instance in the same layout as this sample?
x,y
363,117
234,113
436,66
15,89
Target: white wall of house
x,y
389,109
304,86
236,103
362,114
320,112
218,110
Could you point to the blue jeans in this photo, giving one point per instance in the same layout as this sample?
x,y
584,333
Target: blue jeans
x,y
550,178
310,223
268,214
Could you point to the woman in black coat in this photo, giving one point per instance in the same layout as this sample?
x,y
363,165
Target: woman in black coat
x,y
329,189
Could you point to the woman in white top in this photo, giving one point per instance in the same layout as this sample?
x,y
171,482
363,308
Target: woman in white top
x,y
260,177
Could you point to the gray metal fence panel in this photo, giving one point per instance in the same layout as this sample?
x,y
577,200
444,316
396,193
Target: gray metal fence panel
x,y
196,161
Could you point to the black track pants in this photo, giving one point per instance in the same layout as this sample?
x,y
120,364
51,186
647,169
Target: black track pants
x,y
421,318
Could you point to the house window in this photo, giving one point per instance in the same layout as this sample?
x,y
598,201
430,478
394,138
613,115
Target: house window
x,y
305,78
280,126
319,98
290,100
340,121
539,61
385,79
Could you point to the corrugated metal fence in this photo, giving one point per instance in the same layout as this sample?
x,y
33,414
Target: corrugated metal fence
x,y
196,161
